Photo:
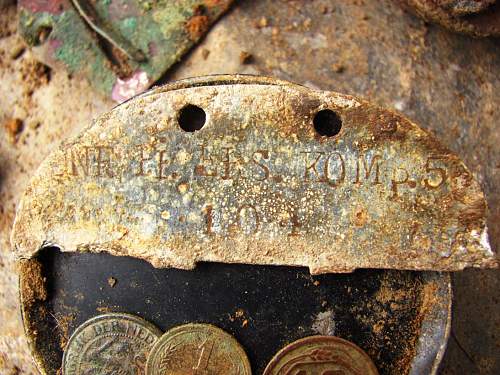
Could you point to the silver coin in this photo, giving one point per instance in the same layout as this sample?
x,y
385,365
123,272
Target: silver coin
x,y
110,344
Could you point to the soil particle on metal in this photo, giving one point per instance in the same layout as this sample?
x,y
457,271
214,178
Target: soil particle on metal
x,y
245,57
112,282
197,26
13,127
397,300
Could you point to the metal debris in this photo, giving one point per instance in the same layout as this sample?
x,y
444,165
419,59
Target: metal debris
x,y
120,47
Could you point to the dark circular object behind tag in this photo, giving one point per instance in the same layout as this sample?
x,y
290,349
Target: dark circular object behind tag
x,y
263,307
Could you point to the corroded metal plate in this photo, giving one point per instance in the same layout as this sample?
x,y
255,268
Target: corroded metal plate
x,y
257,184
121,47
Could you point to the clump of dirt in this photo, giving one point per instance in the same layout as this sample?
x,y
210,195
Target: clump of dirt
x,y
64,322
245,57
7,367
196,26
13,127
429,297
7,27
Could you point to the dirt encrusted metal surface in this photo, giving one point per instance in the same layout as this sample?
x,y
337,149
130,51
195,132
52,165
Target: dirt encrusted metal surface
x,y
257,184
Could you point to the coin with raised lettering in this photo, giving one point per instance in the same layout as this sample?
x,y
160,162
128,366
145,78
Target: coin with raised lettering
x,y
321,355
197,349
110,344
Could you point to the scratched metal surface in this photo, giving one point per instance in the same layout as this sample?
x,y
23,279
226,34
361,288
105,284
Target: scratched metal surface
x,y
257,184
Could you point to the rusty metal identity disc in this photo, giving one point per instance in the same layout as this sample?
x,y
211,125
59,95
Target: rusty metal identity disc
x,y
110,344
197,349
248,170
323,355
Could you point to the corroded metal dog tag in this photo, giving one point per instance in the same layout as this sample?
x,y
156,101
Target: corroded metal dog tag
x,y
252,170
227,185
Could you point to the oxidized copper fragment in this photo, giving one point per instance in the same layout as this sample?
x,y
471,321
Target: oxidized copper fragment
x,y
256,172
121,47
321,355
110,344
197,349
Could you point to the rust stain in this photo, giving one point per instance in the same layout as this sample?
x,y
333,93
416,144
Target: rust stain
x,y
197,26
32,282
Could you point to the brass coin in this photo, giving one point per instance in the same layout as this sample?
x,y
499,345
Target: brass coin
x,y
321,355
197,349
110,344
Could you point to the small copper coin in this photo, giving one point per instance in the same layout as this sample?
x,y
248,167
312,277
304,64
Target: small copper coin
x,y
197,349
110,344
321,355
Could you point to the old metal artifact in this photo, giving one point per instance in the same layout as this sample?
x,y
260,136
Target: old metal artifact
x,y
278,174
321,355
480,18
121,47
110,344
247,194
197,349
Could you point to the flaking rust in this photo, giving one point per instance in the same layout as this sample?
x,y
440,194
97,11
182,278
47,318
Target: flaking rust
x,y
257,185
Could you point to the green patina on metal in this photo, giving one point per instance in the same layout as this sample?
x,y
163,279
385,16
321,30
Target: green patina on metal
x,y
162,31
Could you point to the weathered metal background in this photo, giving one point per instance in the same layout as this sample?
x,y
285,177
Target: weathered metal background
x,y
257,184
